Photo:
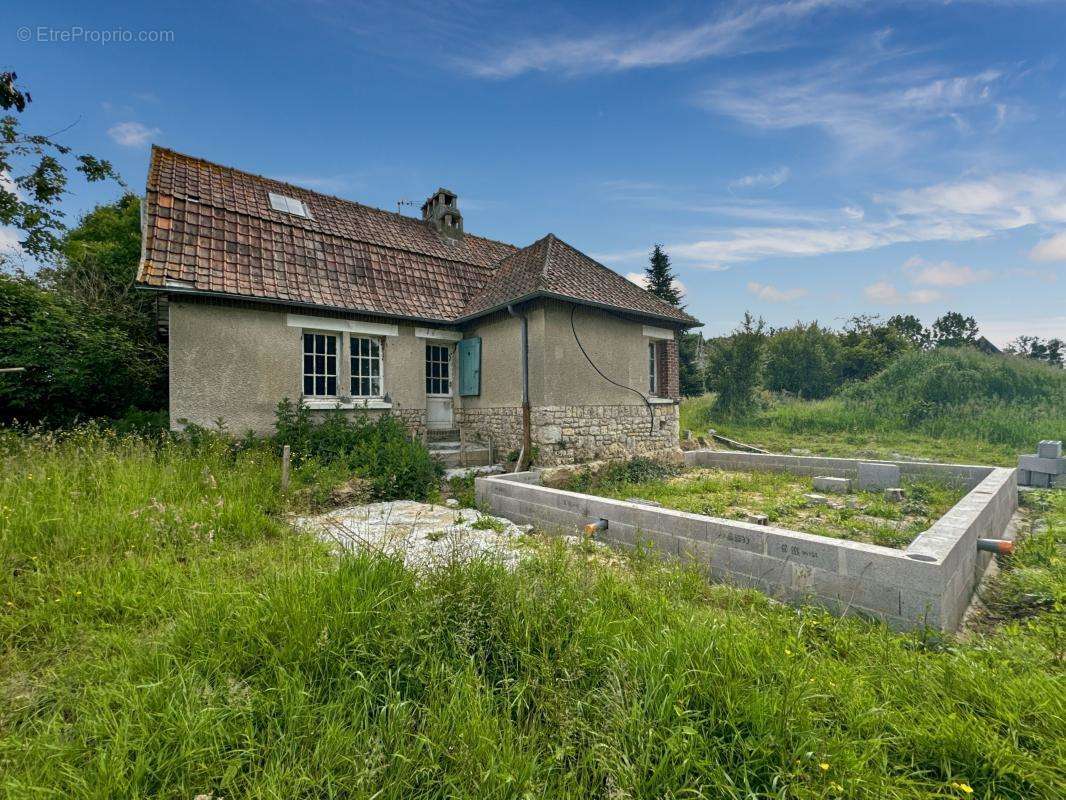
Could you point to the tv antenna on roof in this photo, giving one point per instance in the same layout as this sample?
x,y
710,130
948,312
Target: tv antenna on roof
x,y
401,203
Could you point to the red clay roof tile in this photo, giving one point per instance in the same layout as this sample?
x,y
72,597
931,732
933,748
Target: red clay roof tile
x,y
213,228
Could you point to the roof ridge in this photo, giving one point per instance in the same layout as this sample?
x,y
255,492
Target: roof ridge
x,y
651,295
396,214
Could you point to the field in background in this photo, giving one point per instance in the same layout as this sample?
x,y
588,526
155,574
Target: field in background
x,y
164,632
948,405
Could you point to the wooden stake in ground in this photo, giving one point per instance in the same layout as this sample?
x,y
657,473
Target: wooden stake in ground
x,y
286,454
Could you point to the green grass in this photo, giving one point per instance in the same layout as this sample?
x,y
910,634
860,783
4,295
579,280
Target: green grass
x,y
780,496
163,633
947,405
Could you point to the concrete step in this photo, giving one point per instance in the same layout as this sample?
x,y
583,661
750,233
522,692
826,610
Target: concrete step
x,y
442,434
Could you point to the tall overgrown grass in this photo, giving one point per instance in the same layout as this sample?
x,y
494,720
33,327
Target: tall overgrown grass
x,y
957,400
165,634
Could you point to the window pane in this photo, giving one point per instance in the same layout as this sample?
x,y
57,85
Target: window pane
x,y
375,386
309,363
429,386
375,348
320,385
309,342
375,367
309,385
331,385
331,344
320,364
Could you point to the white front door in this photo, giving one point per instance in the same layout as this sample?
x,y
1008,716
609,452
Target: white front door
x,y
438,386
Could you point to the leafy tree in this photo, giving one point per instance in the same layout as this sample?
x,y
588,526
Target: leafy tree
x,y
735,366
661,277
954,330
37,176
802,360
1050,351
78,364
690,348
868,346
97,267
910,328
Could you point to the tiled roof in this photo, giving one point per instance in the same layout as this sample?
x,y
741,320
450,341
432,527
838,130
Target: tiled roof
x,y
550,266
212,229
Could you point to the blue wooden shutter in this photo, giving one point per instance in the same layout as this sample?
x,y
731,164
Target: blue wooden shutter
x,y
470,367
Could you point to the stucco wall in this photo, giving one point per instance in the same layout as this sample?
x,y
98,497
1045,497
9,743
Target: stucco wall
x,y
236,363
230,363
616,345
501,361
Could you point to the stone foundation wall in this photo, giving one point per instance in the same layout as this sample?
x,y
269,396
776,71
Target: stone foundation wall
x,y
575,434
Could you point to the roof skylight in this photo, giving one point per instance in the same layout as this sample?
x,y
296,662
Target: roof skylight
x,y
290,205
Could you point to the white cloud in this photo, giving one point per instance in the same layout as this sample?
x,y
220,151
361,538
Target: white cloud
x,y
746,28
867,100
886,293
1053,249
132,134
1002,331
943,273
966,210
772,294
882,292
762,180
641,280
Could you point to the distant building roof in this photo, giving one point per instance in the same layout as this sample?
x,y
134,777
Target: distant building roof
x,y
214,229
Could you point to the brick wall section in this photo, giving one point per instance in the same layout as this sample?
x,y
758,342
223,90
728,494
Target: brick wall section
x,y
669,370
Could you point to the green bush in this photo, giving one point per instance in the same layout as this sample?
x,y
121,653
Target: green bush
x,y
800,360
618,473
79,364
376,450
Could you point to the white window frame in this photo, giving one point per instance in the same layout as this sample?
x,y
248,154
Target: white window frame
x,y
451,379
314,374
355,354
653,367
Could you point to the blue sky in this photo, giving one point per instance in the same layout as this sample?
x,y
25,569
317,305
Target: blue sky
x,y
804,159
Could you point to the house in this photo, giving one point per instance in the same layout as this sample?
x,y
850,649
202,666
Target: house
x,y
270,291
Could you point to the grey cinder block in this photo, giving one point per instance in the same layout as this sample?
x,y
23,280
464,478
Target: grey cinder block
x,y
1024,477
1049,448
878,476
758,519
894,495
816,499
1041,480
1049,466
826,483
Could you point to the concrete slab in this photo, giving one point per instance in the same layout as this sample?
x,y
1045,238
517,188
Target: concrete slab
x,y
876,476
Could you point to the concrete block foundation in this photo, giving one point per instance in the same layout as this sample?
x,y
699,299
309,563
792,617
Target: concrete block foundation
x,y
929,583
875,475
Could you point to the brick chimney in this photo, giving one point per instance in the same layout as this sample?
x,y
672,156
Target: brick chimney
x,y
441,212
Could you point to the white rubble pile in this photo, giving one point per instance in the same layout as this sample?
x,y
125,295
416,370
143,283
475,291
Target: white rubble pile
x,y
424,535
